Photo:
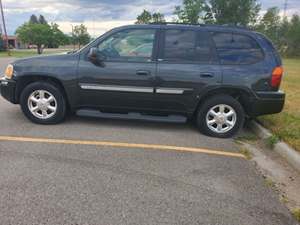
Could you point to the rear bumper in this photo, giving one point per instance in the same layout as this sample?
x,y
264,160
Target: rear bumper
x,y
8,89
266,103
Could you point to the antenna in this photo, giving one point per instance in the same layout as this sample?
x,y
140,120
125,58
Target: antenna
x,y
285,7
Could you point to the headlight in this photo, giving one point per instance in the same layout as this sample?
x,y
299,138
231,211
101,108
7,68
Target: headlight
x,y
9,71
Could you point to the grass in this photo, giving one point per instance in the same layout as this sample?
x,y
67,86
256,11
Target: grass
x,y
271,141
29,52
286,125
246,153
296,214
247,137
269,183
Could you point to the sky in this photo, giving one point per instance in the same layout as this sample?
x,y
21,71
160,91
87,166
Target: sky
x,y
100,15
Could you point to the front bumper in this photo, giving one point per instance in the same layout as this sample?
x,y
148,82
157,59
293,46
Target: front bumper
x,y
266,103
8,89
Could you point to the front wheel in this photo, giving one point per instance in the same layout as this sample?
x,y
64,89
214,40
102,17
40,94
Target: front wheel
x,y
220,116
43,103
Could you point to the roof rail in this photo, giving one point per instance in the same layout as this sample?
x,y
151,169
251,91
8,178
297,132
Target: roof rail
x,y
177,23
201,24
236,26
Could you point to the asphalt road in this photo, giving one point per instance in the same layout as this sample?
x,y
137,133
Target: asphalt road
x,y
79,183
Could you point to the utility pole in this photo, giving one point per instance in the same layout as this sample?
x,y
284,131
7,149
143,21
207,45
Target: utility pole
x,y
73,41
285,8
4,28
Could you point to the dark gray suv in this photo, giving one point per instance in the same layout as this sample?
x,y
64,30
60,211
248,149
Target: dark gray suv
x,y
163,72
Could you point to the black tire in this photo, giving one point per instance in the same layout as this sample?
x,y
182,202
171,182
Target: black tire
x,y
61,110
214,101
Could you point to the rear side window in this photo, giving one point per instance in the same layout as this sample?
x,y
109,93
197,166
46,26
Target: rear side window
x,y
237,49
186,46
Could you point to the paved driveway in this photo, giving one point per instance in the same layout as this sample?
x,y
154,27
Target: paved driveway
x,y
110,172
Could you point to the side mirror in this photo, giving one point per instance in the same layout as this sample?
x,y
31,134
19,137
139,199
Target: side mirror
x,y
96,57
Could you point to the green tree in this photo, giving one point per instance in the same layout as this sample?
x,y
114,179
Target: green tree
x,y
283,31
41,34
235,12
293,37
146,17
270,25
35,33
80,35
158,18
1,45
42,20
58,37
192,11
33,19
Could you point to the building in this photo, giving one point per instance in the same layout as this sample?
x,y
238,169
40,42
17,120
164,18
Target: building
x,y
13,42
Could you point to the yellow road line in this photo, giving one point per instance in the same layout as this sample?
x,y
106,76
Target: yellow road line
x,y
120,144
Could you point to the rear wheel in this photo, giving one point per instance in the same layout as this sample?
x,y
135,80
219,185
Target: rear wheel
x,y
220,116
43,103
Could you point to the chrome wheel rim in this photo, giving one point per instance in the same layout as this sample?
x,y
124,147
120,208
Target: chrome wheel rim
x,y
221,118
42,104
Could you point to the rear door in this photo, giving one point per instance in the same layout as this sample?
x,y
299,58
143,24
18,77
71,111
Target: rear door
x,y
187,64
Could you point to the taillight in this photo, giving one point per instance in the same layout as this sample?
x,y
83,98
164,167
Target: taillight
x,y
276,76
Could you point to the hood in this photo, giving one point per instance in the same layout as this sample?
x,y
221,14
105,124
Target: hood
x,y
46,64
40,58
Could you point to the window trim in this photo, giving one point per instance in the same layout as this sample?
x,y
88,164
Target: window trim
x,y
214,56
154,49
242,34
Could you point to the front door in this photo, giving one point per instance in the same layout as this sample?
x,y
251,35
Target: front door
x,y
125,78
187,64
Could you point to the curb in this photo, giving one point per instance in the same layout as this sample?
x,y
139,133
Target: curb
x,y
283,149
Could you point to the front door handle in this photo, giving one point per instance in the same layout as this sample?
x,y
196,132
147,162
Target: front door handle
x,y
206,75
143,72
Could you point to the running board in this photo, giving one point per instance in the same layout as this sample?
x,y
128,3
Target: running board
x,y
131,116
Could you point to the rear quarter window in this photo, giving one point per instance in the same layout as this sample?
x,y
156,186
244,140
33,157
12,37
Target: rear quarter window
x,y
237,49
270,47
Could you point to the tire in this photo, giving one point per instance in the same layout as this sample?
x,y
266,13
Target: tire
x,y
211,121
38,105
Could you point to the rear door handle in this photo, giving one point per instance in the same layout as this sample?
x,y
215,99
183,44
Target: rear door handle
x,y
206,75
143,72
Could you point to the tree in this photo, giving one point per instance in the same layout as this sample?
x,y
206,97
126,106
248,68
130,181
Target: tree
x,y
146,17
33,19
41,34
42,20
270,25
192,11
35,33
293,37
58,37
282,34
80,35
235,12
2,47
158,18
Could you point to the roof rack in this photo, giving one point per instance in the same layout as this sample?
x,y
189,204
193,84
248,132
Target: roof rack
x,y
201,24
235,26
177,23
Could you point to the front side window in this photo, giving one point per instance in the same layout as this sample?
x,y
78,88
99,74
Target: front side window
x,y
129,45
237,49
186,46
